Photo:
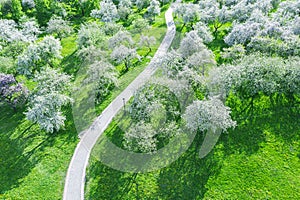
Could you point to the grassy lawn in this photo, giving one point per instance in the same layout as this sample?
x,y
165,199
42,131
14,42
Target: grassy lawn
x,y
158,31
259,159
34,163
90,112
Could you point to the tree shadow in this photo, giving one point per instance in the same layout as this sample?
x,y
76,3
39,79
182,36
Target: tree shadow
x,y
71,63
15,164
177,39
103,182
246,137
21,150
285,123
83,108
69,125
107,183
185,179
282,121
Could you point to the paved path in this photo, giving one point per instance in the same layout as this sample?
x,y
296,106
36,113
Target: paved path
x,y
75,178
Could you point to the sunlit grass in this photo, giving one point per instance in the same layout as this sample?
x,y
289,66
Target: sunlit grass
x,y
258,159
34,163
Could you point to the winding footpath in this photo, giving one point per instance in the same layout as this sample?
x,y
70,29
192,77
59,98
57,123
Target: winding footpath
x,y
75,178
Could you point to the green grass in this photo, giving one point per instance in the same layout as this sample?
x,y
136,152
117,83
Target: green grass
x,y
126,79
69,45
70,62
33,163
259,159
158,31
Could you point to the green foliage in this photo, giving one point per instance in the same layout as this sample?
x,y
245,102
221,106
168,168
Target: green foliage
x,y
16,10
88,6
44,10
7,65
11,9
252,161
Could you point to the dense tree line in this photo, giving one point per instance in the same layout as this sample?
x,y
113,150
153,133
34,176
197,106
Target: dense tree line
x,y
259,59
31,36
30,48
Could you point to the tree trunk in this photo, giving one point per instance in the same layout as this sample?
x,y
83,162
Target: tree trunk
x,y
126,65
216,27
182,26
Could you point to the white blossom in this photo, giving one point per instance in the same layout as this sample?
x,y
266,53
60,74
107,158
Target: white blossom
x,y
208,115
201,60
242,33
124,9
234,52
287,11
154,8
37,55
203,32
188,12
191,43
108,12
90,34
90,54
124,54
171,64
147,41
139,25
47,99
254,74
103,76
121,38
140,4
28,3
211,11
9,31
140,138
59,26
112,28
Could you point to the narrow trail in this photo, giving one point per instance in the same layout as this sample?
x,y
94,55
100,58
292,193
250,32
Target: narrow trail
x,y
75,177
